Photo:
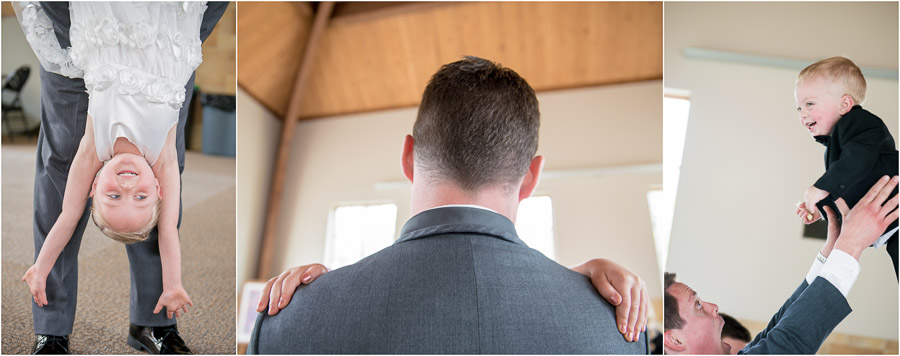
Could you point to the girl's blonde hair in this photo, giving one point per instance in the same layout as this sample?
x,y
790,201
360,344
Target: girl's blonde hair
x,y
125,237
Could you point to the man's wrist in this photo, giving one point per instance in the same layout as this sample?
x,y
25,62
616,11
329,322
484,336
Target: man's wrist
x,y
849,248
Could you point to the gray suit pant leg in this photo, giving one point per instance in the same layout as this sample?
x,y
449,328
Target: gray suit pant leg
x,y
63,114
143,257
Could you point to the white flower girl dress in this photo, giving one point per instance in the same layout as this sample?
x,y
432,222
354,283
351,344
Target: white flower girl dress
x,y
135,58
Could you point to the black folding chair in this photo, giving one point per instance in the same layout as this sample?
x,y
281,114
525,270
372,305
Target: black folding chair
x,y
12,88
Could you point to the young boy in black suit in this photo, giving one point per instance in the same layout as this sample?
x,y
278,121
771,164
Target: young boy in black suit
x,y
860,149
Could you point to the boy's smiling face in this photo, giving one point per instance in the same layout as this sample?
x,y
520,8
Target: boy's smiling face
x,y
820,104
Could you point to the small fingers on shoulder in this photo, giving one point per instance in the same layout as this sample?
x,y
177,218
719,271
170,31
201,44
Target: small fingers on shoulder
x,y
312,272
622,311
275,293
642,322
634,313
264,296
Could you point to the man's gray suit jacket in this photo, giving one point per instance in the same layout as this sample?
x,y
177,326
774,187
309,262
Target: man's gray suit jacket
x,y
458,280
803,322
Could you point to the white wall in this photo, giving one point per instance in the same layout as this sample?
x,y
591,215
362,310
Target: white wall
x,y
257,135
340,159
15,53
747,159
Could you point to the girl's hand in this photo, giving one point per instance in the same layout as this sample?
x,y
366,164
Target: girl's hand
x,y
626,290
278,291
175,301
37,284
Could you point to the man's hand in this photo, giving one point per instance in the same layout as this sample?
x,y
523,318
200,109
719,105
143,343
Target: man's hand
x,y
279,290
626,290
867,220
37,284
813,196
175,301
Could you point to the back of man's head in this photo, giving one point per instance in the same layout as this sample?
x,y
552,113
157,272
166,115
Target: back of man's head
x,y
477,125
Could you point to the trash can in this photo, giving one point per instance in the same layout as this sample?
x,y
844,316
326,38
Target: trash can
x,y
219,125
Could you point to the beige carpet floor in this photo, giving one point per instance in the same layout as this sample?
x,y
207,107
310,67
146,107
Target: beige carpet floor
x,y
101,321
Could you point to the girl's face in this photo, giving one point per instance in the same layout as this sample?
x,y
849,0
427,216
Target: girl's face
x,y
126,192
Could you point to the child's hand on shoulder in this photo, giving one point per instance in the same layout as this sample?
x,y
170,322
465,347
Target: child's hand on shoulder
x,y
175,300
37,284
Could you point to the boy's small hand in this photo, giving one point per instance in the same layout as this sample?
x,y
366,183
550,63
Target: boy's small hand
x,y
813,196
37,284
279,290
176,302
807,216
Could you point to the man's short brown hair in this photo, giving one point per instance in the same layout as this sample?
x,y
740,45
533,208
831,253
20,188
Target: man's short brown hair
x,y
672,319
841,71
477,125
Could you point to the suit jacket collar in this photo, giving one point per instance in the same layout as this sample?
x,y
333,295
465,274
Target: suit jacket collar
x,y
459,220
826,139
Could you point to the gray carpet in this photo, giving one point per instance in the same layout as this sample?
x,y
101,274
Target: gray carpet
x,y
101,322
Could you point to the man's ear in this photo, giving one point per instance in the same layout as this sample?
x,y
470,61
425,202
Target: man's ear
x,y
406,160
846,104
673,342
532,177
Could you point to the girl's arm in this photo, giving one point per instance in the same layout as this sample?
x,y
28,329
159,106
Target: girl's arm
x,y
174,297
78,184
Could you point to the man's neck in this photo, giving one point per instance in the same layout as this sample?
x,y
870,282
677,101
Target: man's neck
x,y
428,194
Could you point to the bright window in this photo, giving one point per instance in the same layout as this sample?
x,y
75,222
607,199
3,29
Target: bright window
x,y
676,109
358,231
361,230
534,224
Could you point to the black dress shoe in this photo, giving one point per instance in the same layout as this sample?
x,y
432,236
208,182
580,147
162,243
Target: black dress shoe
x,y
157,339
51,345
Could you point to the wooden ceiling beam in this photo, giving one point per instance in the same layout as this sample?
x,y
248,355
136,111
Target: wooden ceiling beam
x,y
378,56
348,12
322,15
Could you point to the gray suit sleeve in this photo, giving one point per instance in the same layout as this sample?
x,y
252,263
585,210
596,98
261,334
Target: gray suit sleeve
x,y
803,322
253,347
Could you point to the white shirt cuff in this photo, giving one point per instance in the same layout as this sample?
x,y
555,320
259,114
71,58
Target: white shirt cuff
x,y
815,268
841,270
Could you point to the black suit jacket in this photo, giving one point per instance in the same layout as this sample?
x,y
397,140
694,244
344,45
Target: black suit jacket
x,y
860,150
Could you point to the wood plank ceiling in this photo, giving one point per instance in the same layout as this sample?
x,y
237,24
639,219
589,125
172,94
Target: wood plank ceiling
x,y
380,57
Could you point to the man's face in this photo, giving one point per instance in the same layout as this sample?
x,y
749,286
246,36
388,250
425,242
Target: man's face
x,y
819,104
702,331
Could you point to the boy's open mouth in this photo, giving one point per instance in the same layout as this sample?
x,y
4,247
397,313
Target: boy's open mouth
x,y
810,125
127,173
